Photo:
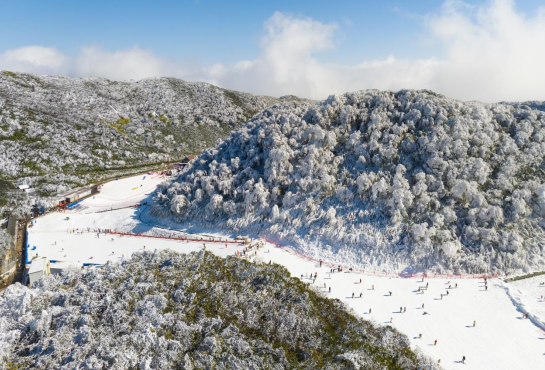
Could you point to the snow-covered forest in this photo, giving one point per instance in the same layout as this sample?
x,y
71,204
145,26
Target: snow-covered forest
x,y
166,310
58,133
403,180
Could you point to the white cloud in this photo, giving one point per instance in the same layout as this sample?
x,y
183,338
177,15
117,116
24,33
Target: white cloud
x,y
133,63
35,59
490,53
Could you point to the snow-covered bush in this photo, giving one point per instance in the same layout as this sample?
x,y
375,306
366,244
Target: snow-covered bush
x,y
165,310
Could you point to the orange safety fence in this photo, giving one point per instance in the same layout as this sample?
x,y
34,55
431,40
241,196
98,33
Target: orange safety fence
x,y
177,238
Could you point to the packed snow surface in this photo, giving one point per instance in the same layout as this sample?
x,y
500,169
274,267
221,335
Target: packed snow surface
x,y
500,339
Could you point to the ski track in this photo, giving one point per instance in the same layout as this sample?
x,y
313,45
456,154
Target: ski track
x,y
501,339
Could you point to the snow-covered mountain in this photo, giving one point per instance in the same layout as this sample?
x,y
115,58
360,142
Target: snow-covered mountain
x,y
58,133
404,180
166,310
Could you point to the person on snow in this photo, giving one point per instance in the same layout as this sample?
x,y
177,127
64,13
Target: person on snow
x,y
422,305
419,336
361,294
352,294
404,309
463,359
435,342
390,293
329,289
369,311
474,323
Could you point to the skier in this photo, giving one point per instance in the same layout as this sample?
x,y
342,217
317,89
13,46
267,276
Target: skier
x,y
486,287
435,342
419,336
361,294
390,293
369,311
447,292
391,320
329,289
474,323
360,281
352,294
463,359
400,309
404,309
320,263
372,287
422,305
456,285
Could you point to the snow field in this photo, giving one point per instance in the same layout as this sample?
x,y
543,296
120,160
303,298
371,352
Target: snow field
x,y
501,339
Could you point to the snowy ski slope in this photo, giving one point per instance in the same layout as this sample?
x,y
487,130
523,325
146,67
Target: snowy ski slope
x,y
501,338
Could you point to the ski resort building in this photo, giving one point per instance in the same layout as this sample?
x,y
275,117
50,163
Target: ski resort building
x,y
184,162
57,268
75,196
38,268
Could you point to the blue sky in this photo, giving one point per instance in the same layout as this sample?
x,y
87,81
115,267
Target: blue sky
x,y
188,38
208,30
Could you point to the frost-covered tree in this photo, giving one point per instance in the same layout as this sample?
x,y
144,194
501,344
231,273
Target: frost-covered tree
x,y
58,133
408,179
166,310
